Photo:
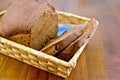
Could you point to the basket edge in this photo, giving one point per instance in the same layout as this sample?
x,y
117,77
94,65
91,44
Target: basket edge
x,y
74,59
74,15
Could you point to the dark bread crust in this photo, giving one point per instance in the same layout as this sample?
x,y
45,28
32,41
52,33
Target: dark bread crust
x,y
74,46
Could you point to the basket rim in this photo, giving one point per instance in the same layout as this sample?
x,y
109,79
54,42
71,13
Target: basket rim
x,y
74,59
34,52
74,15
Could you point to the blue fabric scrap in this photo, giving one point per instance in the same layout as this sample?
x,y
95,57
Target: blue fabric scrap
x,y
66,27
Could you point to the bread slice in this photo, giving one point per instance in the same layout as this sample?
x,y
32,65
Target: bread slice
x,y
23,39
62,41
87,33
36,18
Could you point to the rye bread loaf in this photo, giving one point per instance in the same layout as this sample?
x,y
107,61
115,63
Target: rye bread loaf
x,y
60,43
36,18
87,33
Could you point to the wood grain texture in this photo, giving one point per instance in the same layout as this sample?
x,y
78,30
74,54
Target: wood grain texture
x,y
101,58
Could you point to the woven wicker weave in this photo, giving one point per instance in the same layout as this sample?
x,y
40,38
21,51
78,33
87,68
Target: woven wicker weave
x,y
41,60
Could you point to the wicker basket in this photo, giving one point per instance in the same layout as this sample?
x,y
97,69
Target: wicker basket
x,y
41,60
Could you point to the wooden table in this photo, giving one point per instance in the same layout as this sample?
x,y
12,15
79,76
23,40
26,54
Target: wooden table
x,y
101,58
